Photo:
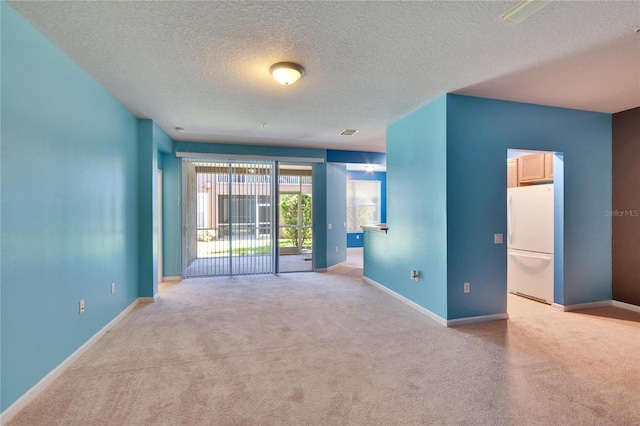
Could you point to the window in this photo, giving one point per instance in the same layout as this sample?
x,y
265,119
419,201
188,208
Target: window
x,y
363,204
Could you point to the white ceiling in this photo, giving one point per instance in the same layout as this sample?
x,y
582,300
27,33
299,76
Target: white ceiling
x,y
205,65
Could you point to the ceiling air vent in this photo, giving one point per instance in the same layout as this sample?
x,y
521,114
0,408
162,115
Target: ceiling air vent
x,y
349,132
522,10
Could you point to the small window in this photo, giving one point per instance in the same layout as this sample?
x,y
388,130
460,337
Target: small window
x,y
363,204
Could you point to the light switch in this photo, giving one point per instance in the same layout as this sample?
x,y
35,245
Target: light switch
x,y
497,238
329,226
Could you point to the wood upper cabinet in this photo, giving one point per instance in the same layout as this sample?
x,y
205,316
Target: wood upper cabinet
x,y
535,168
512,172
531,168
548,165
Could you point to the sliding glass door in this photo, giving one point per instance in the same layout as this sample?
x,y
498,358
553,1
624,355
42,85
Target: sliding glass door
x,y
246,217
228,218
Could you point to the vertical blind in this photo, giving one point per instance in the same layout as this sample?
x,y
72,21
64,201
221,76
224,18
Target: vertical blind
x,y
229,227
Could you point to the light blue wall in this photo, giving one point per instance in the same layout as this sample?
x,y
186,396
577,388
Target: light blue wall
x,y
479,132
152,141
163,140
417,210
319,208
355,239
356,157
171,212
147,212
336,214
68,205
235,149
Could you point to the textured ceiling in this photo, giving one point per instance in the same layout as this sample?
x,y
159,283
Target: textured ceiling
x,y
204,66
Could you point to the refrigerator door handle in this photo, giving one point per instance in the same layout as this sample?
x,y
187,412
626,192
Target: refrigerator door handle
x,y
530,256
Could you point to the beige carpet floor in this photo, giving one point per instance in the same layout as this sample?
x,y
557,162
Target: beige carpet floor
x,y
328,349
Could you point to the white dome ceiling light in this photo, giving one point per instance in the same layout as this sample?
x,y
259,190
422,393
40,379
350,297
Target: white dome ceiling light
x,y
286,73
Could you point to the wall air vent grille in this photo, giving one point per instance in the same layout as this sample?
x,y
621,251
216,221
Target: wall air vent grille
x,y
522,10
349,132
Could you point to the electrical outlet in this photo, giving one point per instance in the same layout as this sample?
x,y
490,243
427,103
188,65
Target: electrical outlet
x,y
466,288
329,226
82,306
113,288
497,238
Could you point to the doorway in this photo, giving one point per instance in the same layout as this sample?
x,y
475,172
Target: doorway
x,y
535,227
295,218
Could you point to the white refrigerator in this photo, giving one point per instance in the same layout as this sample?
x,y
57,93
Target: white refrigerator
x,y
530,241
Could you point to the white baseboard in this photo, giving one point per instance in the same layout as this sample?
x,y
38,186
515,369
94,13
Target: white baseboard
x,y
422,310
473,320
581,306
36,389
332,267
437,318
557,307
627,306
173,278
148,299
